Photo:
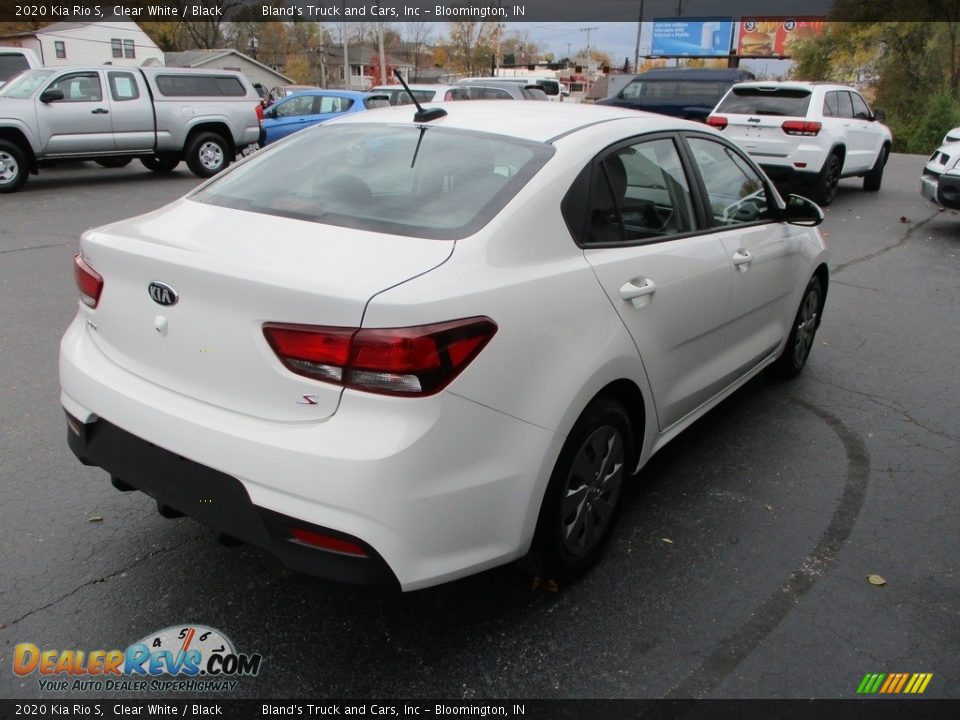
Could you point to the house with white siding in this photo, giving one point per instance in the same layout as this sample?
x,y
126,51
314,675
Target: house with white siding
x,y
114,41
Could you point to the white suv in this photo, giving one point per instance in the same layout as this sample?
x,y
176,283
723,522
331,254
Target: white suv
x,y
807,134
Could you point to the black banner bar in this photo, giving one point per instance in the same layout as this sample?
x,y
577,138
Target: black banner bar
x,y
145,11
854,709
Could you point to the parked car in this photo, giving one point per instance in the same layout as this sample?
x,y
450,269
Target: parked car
x,y
689,93
551,87
14,60
483,89
311,107
940,182
112,115
402,351
423,93
807,135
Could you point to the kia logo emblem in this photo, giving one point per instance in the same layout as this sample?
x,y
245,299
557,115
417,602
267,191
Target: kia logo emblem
x,y
162,294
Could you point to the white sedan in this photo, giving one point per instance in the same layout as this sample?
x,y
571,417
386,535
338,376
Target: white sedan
x,y
402,352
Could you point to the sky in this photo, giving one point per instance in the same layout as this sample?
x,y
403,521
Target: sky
x,y
616,39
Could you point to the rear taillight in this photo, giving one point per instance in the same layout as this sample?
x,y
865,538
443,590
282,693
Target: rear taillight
x,y
717,121
801,127
88,280
411,361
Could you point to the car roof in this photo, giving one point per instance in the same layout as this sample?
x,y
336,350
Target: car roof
x,y
732,74
352,94
794,84
421,86
536,121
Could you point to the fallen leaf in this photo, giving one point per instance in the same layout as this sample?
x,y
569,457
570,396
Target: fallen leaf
x,y
667,540
769,507
904,219
876,580
540,584
95,518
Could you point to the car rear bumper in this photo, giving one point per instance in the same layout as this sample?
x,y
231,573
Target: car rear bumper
x,y
436,488
943,190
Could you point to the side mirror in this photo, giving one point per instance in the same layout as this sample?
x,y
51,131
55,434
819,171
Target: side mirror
x,y
52,95
879,115
801,211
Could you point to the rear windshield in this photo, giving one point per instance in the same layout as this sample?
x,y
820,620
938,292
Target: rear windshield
x,y
792,102
11,64
423,182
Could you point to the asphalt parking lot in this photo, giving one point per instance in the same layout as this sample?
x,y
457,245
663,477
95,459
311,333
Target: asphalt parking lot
x,y
739,568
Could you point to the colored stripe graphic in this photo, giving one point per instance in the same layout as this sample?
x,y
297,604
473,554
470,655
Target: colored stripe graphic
x,y
894,683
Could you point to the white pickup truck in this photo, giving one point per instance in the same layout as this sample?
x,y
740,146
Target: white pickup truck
x,y
113,115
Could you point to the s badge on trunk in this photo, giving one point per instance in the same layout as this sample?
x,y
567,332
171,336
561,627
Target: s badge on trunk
x,y
162,294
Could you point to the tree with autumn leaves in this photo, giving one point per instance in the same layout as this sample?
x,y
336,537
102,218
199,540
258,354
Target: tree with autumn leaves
x,y
906,58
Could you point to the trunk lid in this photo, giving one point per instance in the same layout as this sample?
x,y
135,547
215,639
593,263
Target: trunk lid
x,y
232,271
755,115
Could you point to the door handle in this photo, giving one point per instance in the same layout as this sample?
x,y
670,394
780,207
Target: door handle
x,y
99,111
638,287
742,259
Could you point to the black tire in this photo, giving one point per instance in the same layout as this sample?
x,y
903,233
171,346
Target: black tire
x,y
13,167
207,154
825,189
579,509
873,179
805,324
113,162
160,164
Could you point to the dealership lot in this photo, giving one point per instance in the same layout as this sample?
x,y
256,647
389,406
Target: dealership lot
x,y
739,568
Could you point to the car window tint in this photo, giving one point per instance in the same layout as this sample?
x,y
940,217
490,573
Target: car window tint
x,y
433,183
846,106
831,107
79,87
633,90
640,193
736,192
11,64
860,109
296,107
331,104
490,93
789,102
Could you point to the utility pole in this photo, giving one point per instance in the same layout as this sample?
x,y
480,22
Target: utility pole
x,y
343,41
636,52
588,30
383,60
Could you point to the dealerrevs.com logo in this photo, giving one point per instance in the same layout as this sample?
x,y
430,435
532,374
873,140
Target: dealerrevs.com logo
x,y
188,658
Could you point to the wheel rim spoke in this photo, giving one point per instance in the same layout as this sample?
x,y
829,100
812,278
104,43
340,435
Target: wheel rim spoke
x,y
592,490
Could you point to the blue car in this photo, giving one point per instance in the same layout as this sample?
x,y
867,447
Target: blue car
x,y
311,107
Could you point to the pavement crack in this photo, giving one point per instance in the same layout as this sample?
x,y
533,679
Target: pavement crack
x,y
891,405
106,578
882,251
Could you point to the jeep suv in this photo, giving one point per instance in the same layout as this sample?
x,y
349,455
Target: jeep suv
x,y
806,135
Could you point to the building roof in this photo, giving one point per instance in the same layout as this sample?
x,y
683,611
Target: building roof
x,y
199,58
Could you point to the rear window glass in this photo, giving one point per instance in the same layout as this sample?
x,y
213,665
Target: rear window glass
x,y
432,182
200,86
791,102
11,64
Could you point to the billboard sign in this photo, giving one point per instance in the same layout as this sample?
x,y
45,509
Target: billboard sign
x,y
774,36
698,37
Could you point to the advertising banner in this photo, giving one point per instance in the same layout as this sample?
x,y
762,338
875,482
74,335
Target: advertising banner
x,y
698,37
773,37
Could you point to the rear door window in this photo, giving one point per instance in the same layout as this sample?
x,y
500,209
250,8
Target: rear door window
x,y
831,106
788,102
846,105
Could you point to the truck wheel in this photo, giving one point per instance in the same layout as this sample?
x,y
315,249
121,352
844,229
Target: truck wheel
x,y
113,162
207,154
872,180
160,164
13,167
